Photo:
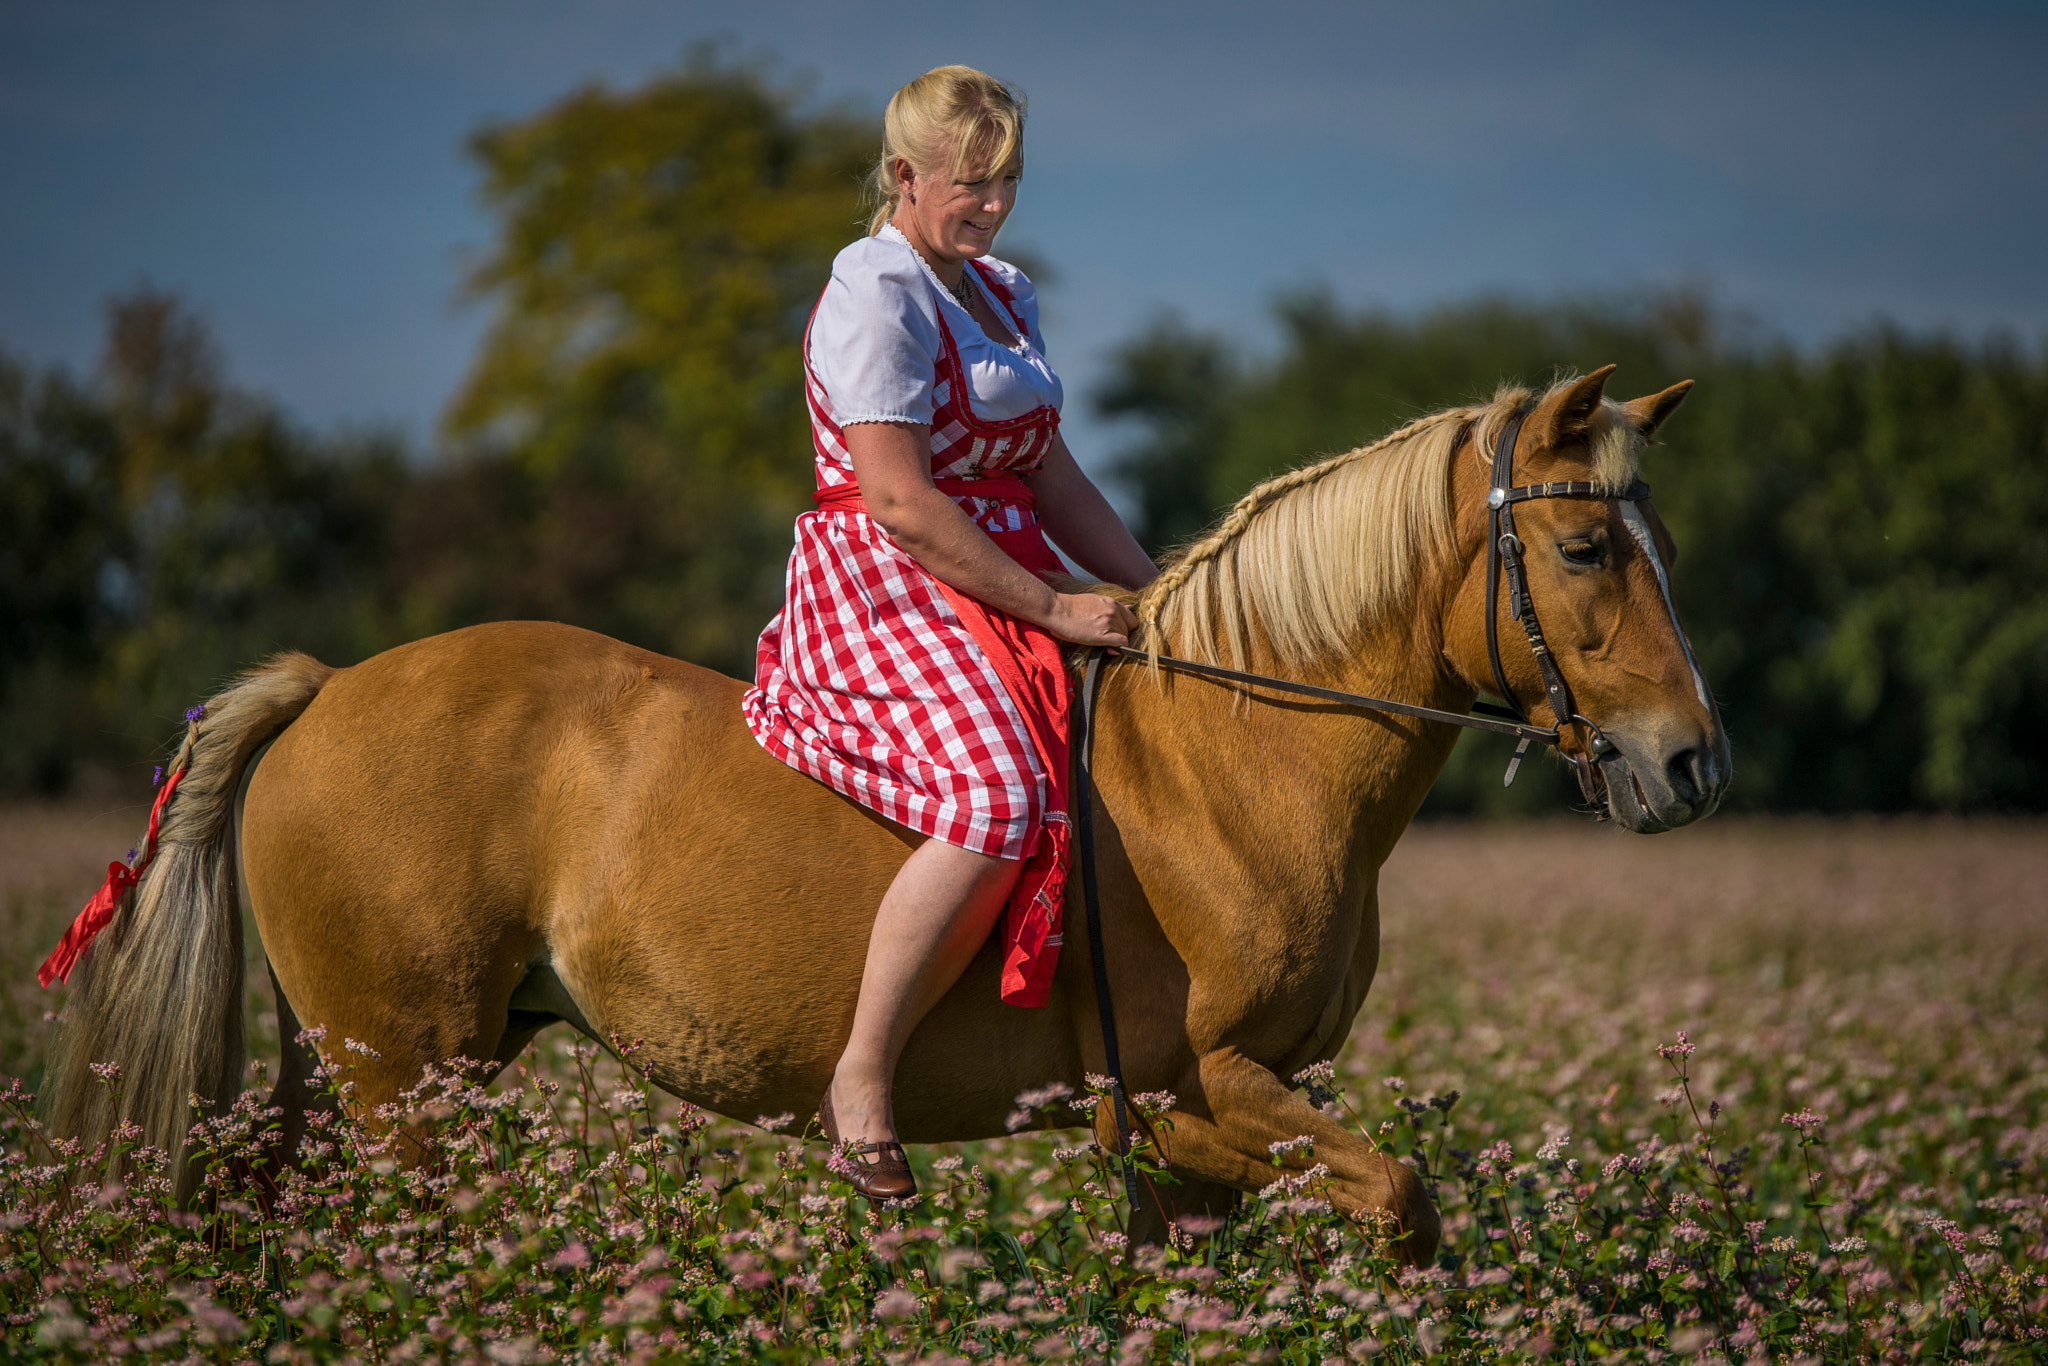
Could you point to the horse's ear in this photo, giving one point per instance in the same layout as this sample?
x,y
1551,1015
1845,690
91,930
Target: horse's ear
x,y
1648,413
1569,412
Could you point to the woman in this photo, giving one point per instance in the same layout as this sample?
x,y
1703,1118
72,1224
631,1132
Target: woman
x,y
915,665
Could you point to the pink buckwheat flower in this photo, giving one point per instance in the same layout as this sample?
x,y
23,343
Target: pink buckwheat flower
x,y
1672,1052
1806,1122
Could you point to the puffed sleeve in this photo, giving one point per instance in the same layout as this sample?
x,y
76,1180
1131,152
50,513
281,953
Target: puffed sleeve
x,y
875,339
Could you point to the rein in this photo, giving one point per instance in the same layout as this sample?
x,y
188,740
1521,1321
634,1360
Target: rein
x,y
1499,720
1503,564
1081,748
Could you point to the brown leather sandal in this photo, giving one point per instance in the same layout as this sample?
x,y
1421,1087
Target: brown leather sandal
x,y
878,1170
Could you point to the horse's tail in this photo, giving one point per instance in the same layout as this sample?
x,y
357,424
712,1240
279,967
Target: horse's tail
x,y
158,993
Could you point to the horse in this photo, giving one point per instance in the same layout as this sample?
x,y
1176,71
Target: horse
x,y
462,840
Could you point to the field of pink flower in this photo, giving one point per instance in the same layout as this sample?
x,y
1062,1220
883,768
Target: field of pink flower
x,y
1760,1091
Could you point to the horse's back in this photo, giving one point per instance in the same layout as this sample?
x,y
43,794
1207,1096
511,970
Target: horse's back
x,y
453,812
456,758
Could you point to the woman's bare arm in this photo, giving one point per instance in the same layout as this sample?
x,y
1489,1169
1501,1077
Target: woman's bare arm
x,y
892,463
1082,523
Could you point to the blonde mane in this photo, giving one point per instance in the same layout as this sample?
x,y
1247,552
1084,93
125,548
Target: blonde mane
x,y
1309,559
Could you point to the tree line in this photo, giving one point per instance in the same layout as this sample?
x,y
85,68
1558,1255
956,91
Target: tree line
x,y
1861,568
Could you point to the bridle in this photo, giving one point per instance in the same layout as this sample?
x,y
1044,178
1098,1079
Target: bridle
x,y
1503,564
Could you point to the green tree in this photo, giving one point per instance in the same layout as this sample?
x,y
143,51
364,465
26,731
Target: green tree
x,y
1180,384
640,384
162,530
1873,581
59,528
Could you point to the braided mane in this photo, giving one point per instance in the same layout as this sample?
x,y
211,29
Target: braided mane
x,y
1309,558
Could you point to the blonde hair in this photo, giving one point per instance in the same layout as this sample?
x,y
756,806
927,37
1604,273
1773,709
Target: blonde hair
x,y
979,117
1309,558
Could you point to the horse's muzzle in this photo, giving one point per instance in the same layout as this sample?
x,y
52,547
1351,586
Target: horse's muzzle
x,y
1670,786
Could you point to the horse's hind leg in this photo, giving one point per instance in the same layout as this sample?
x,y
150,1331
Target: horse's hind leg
x,y
298,1094
398,963
376,1055
381,1001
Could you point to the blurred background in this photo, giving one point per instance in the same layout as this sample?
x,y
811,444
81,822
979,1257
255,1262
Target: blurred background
x,y
328,326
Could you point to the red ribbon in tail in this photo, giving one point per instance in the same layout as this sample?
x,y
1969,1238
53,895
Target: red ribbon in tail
x,y
99,912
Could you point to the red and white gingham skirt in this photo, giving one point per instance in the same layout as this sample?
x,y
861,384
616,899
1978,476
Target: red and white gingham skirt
x,y
868,681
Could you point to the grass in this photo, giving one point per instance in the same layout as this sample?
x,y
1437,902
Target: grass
x,y
1843,1156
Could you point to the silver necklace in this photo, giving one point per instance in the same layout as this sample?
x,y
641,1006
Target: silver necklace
x,y
964,291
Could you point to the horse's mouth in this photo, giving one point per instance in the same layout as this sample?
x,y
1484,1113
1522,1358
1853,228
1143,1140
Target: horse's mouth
x,y
1627,804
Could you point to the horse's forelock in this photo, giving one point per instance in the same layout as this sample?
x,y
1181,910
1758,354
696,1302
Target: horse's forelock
x,y
1617,447
1614,441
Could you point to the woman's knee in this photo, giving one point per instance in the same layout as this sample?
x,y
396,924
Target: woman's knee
x,y
982,868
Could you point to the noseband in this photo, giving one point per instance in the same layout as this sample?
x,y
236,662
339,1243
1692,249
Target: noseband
x,y
1504,564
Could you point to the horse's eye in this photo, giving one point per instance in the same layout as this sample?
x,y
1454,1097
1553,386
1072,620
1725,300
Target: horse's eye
x,y
1580,552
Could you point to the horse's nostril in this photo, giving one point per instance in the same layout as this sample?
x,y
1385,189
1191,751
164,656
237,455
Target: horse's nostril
x,y
1686,771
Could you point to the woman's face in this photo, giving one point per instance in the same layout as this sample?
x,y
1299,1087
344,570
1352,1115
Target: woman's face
x,y
957,219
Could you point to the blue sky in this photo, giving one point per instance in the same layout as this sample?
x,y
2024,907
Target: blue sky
x,y
296,170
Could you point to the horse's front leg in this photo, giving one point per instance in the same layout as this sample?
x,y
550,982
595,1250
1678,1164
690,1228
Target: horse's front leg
x,y
1162,1208
1234,1111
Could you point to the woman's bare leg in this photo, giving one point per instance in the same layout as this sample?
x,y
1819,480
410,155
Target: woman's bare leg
x,y
935,916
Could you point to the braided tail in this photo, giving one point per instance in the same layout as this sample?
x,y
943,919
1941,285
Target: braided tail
x,y
153,1025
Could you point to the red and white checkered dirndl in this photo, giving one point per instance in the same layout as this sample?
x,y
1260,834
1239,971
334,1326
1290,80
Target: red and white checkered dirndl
x,y
920,703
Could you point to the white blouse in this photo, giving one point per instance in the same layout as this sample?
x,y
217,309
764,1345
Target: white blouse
x,y
875,339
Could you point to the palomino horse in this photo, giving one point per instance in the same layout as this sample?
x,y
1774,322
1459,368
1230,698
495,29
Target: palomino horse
x,y
457,842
